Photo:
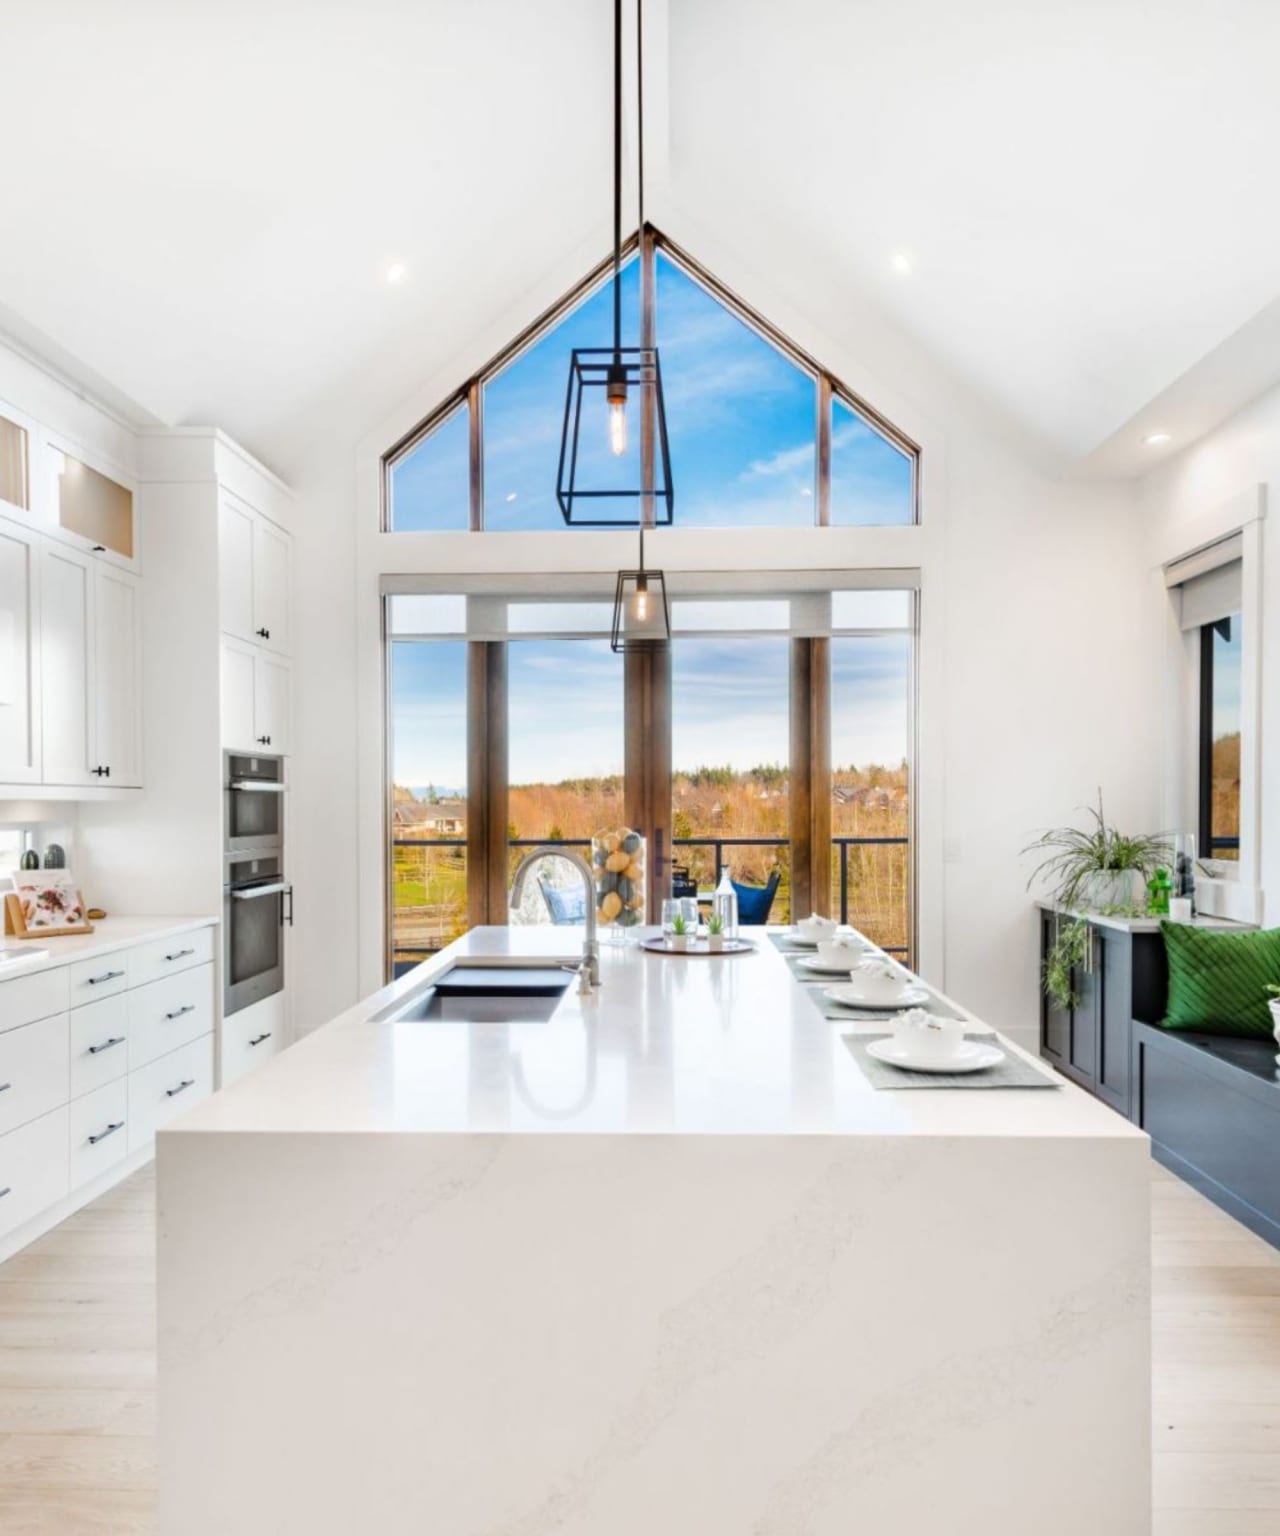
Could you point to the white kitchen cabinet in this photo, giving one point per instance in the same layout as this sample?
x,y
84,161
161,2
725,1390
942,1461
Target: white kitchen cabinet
x,y
66,664
255,699
90,703
117,713
88,507
235,568
19,653
254,568
272,562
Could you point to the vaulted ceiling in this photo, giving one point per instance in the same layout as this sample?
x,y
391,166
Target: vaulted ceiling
x,y
201,198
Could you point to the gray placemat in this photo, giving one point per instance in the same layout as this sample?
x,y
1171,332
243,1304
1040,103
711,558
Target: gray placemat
x,y
1012,1072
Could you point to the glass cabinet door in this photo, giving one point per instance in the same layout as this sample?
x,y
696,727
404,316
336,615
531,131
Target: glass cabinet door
x,y
92,506
14,487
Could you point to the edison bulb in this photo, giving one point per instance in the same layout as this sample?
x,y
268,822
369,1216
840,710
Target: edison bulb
x,y
642,605
618,426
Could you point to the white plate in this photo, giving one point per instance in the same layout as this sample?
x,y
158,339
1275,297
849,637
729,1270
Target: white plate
x,y
812,963
971,1057
911,996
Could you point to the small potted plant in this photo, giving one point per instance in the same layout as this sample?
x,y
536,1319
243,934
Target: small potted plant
x,y
715,933
679,932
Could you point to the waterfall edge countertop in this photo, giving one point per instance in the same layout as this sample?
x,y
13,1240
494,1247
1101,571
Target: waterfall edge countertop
x,y
670,1045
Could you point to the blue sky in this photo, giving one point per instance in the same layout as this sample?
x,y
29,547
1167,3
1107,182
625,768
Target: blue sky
x,y
730,703
741,419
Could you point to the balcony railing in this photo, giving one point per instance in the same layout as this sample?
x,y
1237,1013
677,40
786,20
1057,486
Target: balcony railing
x,y
404,953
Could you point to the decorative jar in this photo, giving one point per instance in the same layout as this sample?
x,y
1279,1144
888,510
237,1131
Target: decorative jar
x,y
618,866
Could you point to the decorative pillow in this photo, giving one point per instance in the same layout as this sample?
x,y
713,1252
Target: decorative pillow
x,y
1218,979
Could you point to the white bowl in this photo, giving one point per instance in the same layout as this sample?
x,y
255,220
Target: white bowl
x,y
839,954
928,1036
815,927
878,982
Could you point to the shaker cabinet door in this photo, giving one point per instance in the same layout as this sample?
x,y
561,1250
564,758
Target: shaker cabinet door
x,y
66,656
235,568
271,596
117,737
271,704
19,654
238,662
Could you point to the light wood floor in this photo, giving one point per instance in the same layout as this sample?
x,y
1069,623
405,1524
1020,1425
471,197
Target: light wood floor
x,y
77,1372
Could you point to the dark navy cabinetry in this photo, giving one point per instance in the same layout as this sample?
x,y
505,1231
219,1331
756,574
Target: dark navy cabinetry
x,y
1211,1105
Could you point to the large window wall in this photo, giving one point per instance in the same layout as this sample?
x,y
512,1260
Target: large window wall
x,y
780,724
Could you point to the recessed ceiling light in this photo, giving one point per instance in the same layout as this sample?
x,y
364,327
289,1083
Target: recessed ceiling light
x,y
1154,439
901,261
396,271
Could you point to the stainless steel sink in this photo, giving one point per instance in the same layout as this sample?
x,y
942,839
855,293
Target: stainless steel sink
x,y
484,994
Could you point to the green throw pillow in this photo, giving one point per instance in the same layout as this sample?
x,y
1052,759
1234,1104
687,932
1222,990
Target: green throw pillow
x,y
1218,979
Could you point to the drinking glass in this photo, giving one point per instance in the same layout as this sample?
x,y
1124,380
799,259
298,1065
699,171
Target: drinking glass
x,y
671,907
689,906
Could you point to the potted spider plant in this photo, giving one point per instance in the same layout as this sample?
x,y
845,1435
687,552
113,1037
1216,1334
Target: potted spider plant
x,y
1097,868
715,932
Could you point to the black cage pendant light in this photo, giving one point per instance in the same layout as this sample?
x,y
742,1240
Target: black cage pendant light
x,y
621,378
641,618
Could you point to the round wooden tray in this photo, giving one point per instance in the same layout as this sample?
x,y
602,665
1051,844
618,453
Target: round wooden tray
x,y
659,946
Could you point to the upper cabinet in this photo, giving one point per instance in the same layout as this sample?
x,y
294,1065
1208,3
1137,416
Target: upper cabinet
x,y
89,647
15,462
19,651
90,509
255,563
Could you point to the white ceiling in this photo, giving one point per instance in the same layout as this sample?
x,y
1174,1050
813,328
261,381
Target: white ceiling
x,y
200,198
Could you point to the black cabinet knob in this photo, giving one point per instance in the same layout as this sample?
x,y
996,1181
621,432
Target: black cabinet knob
x,y
265,634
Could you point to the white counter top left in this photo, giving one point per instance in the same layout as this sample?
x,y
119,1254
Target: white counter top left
x,y
23,957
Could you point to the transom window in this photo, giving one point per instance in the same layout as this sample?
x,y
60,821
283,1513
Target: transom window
x,y
761,435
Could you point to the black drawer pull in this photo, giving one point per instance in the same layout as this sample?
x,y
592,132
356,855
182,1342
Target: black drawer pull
x,y
97,981
7,1190
116,1125
178,1012
179,954
187,1082
258,1039
106,1045
5,1087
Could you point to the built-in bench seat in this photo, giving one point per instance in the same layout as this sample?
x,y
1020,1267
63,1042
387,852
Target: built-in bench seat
x,y
1211,1105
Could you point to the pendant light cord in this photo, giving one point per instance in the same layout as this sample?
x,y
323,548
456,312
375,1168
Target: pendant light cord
x,y
617,179
640,112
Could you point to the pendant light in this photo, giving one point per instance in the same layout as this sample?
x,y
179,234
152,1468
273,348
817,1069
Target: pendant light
x,y
625,379
641,618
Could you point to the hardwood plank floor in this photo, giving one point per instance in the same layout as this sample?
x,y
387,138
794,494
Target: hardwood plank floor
x,y
77,1372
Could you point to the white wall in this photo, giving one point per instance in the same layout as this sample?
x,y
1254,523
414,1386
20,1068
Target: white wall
x,y
1228,463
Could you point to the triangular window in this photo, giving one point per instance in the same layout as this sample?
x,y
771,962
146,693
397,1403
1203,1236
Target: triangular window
x,y
745,416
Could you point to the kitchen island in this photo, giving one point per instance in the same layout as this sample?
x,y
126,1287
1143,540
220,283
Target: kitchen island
x,y
659,1259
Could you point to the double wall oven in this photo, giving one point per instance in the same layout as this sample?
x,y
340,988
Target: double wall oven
x,y
257,897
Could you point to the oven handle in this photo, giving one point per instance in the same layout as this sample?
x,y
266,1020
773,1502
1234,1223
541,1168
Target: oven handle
x,y
252,892
257,786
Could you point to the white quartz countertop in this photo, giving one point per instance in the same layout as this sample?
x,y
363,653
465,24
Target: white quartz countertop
x,y
1142,924
22,957
670,1045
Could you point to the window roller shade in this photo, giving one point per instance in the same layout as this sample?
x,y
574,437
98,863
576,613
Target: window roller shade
x,y
1208,584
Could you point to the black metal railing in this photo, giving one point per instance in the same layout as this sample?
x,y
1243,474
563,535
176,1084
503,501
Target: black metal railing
x,y
719,844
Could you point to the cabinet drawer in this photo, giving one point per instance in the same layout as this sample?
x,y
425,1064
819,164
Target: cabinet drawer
x,y
166,1088
33,1169
99,1044
34,1063
26,998
99,1133
89,980
250,1037
166,957
168,1013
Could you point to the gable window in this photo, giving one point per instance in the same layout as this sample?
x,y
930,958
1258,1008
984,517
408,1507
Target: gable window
x,y
761,436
